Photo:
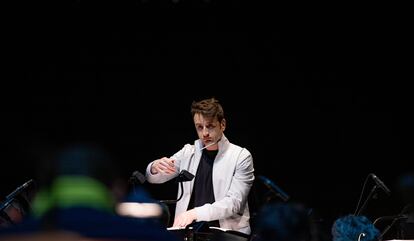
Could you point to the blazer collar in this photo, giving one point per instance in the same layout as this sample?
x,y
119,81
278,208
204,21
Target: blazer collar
x,y
222,144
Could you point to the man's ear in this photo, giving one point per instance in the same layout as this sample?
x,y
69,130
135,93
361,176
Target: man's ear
x,y
223,124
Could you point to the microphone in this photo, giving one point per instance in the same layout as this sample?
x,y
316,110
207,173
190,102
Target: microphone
x,y
278,191
137,176
18,190
185,176
380,184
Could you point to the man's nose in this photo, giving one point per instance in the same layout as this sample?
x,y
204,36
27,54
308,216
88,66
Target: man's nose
x,y
205,131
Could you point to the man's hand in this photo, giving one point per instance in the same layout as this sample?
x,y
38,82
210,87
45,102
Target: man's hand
x,y
185,218
163,165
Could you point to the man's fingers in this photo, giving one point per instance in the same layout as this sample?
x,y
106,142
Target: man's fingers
x,y
166,170
180,221
183,220
167,166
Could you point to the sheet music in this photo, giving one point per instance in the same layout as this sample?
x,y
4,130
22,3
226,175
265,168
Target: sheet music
x,y
222,229
177,228
181,228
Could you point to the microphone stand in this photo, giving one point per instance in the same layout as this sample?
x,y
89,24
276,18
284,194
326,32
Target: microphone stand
x,y
184,176
394,219
366,200
174,201
387,228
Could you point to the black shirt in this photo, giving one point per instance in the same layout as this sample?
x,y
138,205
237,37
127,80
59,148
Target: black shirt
x,y
203,191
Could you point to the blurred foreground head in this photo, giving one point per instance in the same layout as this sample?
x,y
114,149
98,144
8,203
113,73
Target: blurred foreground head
x,y
354,228
78,159
78,174
283,222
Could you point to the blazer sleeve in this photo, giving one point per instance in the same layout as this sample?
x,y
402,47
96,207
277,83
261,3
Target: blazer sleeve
x,y
161,178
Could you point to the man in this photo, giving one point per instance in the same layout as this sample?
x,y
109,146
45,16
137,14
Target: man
x,y
223,171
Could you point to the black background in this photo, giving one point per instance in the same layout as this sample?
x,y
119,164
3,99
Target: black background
x,y
316,93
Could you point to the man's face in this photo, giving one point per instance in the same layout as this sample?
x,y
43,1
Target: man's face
x,y
209,130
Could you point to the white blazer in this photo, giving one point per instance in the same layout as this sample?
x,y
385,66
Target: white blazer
x,y
233,176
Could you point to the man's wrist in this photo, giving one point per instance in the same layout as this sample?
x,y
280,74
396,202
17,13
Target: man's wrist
x,y
194,213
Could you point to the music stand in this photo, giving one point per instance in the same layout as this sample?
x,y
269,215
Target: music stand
x,y
200,231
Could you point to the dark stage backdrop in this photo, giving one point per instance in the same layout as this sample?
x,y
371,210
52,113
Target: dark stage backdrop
x,y
312,94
